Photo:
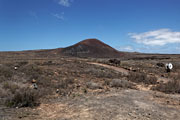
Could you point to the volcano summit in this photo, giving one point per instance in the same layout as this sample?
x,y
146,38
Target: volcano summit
x,y
91,48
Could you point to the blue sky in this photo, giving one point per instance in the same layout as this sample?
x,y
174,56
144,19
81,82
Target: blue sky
x,y
151,26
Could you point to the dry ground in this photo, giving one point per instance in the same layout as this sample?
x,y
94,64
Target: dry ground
x,y
89,89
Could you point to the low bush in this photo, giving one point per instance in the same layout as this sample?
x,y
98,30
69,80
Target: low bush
x,y
92,85
23,97
32,70
151,80
6,71
3,93
101,72
160,64
10,86
176,66
66,86
121,83
142,78
22,63
2,79
44,81
169,87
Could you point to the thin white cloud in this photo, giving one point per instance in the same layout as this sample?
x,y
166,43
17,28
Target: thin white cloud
x,y
65,3
126,48
59,16
159,37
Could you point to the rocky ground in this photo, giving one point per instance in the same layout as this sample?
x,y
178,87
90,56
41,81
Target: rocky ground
x,y
116,104
95,92
112,105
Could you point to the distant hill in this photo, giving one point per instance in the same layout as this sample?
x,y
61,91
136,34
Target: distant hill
x,y
91,48
87,48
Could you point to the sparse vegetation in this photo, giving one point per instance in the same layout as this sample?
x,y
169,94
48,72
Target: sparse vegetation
x,y
92,85
23,98
66,87
9,85
6,71
142,78
121,83
32,70
172,86
169,87
73,78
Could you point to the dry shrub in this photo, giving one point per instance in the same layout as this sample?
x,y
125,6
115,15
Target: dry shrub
x,y
170,87
32,70
5,71
22,63
23,97
3,93
49,63
160,64
66,86
12,86
44,81
151,80
92,85
2,79
107,82
142,78
121,83
176,66
101,72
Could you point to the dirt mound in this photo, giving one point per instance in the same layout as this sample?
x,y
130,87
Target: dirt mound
x,y
91,48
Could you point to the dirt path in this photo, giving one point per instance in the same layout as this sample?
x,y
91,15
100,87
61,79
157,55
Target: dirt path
x,y
126,72
121,70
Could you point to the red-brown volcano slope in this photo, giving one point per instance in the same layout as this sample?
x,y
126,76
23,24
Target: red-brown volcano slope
x,y
91,48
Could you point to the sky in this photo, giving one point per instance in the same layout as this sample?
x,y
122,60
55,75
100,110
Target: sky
x,y
148,26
